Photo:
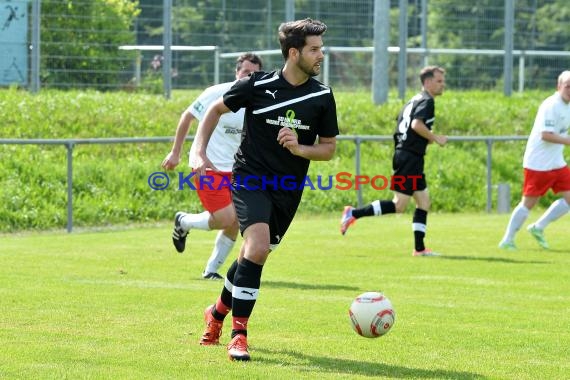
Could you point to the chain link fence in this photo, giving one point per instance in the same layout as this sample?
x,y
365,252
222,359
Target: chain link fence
x,y
78,41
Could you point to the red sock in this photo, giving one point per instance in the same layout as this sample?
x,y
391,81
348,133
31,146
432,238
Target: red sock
x,y
239,326
222,308
220,315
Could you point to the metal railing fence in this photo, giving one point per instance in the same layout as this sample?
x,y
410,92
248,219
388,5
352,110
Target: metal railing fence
x,y
428,54
357,139
335,57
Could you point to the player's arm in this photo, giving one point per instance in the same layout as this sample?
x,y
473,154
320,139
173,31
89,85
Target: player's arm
x,y
204,132
555,138
323,150
421,129
172,159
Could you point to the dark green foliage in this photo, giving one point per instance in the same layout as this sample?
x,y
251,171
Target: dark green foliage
x,y
80,41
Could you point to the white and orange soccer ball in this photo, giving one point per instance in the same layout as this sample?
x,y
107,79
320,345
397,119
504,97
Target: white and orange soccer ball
x,y
371,315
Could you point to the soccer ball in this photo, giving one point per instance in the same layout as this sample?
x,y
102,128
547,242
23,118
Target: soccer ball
x,y
371,315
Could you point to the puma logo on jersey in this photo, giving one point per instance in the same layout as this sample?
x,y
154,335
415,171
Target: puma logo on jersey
x,y
271,93
250,293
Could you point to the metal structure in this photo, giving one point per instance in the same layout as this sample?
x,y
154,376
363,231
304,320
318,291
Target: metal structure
x,y
402,23
71,143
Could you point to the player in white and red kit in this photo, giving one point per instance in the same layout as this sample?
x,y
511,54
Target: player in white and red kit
x,y
544,165
217,200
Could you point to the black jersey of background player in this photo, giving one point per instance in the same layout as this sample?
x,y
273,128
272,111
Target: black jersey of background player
x,y
272,103
422,107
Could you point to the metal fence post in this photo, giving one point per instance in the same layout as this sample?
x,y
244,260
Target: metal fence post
x,y
217,65
509,43
503,198
357,142
521,71
326,65
167,48
35,58
489,180
138,63
69,146
380,58
403,53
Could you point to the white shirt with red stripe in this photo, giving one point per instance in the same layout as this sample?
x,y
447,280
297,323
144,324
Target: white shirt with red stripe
x,y
226,137
553,116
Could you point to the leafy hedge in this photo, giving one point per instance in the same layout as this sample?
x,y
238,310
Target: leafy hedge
x,y
110,181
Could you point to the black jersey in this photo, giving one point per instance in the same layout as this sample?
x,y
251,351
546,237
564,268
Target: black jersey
x,y
421,107
272,103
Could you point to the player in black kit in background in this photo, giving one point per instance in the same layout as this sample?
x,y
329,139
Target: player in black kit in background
x,y
413,134
290,119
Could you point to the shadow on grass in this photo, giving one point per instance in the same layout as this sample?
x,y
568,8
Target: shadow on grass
x,y
550,250
297,285
494,259
320,364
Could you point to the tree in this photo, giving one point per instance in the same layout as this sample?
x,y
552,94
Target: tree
x,y
80,41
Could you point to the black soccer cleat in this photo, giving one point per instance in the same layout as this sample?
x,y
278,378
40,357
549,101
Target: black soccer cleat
x,y
179,235
212,276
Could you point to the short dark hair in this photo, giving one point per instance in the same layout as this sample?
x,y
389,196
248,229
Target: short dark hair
x,y
429,72
251,57
293,34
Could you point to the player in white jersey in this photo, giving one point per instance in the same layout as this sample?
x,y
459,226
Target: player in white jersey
x,y
216,198
544,165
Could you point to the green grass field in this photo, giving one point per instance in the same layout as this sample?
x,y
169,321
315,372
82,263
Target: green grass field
x,y
122,304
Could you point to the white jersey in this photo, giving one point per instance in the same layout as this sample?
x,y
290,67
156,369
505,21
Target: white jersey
x,y
226,137
553,115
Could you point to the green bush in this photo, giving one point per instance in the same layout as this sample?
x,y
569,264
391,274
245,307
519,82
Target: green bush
x,y
110,181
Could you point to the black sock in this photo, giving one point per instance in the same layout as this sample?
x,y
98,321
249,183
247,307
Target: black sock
x,y
247,280
363,211
226,295
386,207
419,226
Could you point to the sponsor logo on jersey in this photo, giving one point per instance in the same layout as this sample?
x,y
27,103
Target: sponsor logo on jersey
x,y
199,107
289,121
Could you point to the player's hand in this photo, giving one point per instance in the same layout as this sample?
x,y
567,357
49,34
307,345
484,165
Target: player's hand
x,y
170,161
441,140
203,163
287,137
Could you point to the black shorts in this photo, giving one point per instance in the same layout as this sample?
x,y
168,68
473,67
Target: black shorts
x,y
408,172
273,207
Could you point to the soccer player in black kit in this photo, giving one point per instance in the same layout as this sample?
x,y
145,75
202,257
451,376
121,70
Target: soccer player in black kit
x,y
290,119
413,134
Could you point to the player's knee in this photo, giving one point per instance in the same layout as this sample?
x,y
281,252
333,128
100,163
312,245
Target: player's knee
x,y
424,205
400,203
257,251
400,207
225,218
232,230
227,222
